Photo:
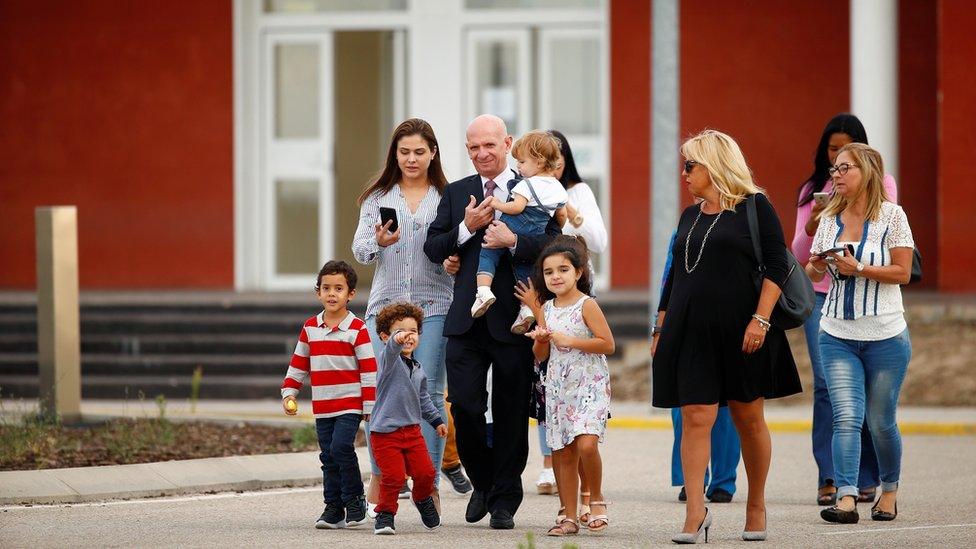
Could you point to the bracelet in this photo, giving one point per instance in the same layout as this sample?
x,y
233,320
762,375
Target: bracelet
x,y
763,321
817,270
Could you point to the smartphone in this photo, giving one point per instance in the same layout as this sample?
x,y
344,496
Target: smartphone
x,y
389,214
837,250
821,198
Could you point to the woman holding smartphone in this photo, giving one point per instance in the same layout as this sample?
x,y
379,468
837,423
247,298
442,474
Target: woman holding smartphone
x,y
410,185
864,342
813,196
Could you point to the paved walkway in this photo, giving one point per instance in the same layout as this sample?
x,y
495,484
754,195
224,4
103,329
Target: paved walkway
x,y
937,505
172,478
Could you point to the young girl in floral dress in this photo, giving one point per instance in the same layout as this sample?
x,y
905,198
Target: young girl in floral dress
x,y
574,336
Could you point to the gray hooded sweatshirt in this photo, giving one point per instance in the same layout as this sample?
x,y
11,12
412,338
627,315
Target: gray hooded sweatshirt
x,y
401,392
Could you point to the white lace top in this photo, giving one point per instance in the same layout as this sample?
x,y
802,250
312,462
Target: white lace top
x,y
858,308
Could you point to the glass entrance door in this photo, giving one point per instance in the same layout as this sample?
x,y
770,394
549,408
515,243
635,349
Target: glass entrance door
x,y
297,172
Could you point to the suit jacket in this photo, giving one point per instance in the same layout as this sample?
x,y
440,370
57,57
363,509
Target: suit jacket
x,y
441,242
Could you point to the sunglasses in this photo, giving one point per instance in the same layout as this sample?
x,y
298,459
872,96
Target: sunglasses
x,y
690,165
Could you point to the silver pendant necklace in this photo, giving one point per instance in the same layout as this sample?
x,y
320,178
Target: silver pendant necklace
x,y
704,239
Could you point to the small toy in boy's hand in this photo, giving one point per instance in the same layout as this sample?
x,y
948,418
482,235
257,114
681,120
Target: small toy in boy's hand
x,y
291,407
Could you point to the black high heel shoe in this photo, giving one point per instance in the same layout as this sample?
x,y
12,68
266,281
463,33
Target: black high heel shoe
x,y
878,514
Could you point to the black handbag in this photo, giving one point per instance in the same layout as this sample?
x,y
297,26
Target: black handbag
x,y
797,298
916,267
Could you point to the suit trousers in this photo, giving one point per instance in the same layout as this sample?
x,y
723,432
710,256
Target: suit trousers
x,y
495,470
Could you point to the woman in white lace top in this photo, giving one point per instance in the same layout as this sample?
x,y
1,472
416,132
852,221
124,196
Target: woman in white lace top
x,y
864,339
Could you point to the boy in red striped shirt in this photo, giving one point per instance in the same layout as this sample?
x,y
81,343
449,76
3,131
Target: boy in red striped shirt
x,y
334,350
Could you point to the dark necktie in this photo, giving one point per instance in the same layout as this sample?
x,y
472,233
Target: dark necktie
x,y
490,187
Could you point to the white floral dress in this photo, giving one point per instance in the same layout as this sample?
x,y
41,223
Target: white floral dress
x,y
577,383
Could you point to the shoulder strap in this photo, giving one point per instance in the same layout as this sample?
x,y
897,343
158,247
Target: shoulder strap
x,y
753,218
528,182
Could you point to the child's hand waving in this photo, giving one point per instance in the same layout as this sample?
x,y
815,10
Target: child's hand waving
x,y
527,294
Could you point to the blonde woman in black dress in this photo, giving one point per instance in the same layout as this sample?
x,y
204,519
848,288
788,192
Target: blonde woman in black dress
x,y
713,344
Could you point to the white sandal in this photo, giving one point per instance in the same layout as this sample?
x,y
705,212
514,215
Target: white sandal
x,y
584,510
599,518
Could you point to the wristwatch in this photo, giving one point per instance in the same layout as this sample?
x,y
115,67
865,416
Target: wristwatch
x,y
577,221
655,330
860,267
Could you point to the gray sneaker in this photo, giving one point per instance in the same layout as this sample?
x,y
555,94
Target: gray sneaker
x,y
459,482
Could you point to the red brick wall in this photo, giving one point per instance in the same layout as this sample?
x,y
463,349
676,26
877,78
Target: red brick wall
x,y
630,142
126,110
770,74
918,145
957,145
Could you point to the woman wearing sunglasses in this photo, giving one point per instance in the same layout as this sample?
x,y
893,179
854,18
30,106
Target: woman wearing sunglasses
x,y
713,344
864,242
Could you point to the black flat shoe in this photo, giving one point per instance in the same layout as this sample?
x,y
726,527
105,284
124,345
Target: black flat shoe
x,y
878,514
476,507
682,496
867,496
720,496
840,516
501,520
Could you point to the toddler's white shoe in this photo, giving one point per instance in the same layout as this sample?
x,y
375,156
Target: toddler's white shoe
x,y
523,321
482,300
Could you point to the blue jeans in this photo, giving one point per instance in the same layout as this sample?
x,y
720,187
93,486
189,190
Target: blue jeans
x,y
864,379
543,445
430,354
725,453
530,222
823,414
337,452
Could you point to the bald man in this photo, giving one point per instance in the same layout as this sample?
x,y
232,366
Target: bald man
x,y
465,221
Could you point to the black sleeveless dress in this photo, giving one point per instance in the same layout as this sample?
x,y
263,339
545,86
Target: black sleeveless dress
x,y
699,358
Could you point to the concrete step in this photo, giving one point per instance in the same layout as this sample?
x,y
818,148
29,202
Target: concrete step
x,y
134,345
149,365
172,387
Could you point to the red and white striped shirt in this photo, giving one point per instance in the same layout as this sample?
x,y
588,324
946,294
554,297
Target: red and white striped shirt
x,y
341,364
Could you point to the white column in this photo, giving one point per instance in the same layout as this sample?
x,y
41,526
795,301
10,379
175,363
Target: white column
x,y
435,76
874,74
664,136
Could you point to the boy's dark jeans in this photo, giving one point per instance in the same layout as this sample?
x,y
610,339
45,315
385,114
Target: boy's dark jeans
x,y
340,465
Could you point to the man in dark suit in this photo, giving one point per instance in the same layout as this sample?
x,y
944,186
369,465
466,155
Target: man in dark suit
x,y
465,220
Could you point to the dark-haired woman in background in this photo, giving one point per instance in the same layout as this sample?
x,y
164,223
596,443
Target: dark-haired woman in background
x,y
411,183
841,130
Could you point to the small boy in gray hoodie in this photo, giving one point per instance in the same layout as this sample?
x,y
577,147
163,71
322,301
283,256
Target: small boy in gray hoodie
x,y
402,401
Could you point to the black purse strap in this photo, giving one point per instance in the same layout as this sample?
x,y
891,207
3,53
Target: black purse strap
x,y
753,218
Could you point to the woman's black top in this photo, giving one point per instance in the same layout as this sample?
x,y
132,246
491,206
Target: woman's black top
x,y
699,358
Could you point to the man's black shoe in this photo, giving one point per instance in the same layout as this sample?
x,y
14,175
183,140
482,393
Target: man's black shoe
x,y
356,511
384,524
333,517
459,482
502,520
428,513
476,507
720,496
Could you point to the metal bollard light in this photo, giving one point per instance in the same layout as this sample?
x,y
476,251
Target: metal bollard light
x,y
58,323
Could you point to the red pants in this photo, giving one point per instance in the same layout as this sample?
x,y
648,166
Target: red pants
x,y
398,454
